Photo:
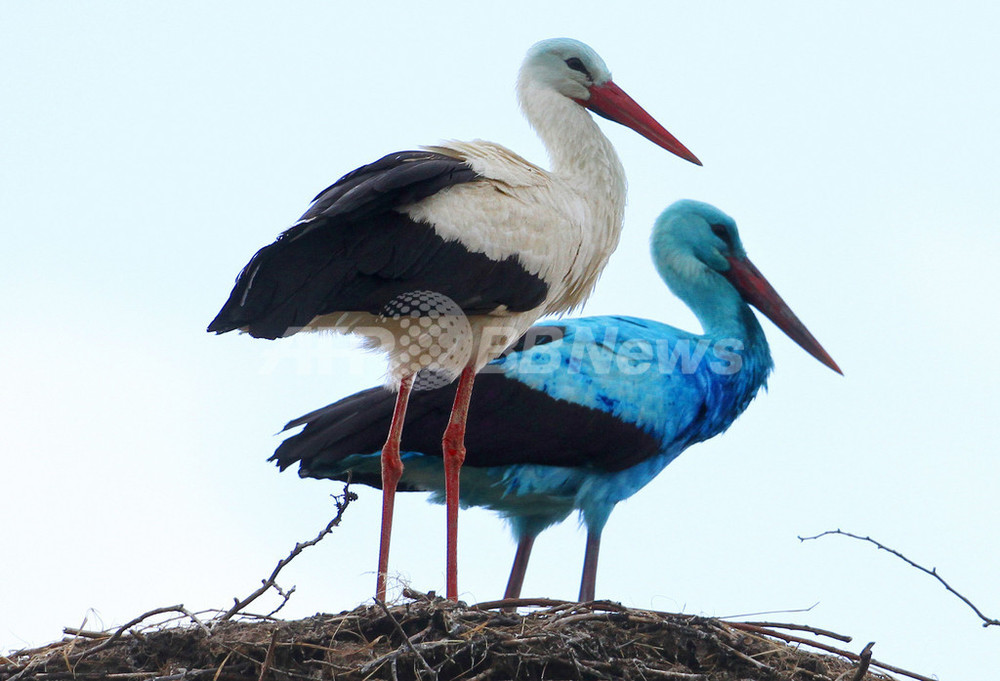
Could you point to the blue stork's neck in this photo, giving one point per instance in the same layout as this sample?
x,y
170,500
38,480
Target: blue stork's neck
x,y
733,334
687,257
725,314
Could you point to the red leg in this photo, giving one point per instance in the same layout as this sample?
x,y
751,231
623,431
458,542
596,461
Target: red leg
x,y
454,454
392,470
520,566
589,582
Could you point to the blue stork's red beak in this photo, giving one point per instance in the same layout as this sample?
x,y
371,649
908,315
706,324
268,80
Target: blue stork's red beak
x,y
757,291
611,102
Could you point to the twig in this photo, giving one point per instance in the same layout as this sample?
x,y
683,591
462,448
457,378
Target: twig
x,y
373,666
342,501
285,595
269,656
803,627
747,658
865,660
406,639
218,672
121,630
987,621
84,633
768,612
414,595
609,606
519,603
481,676
561,621
128,676
194,618
172,677
822,646
668,674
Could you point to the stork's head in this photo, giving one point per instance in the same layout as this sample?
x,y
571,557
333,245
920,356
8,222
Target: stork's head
x,y
698,253
577,72
567,66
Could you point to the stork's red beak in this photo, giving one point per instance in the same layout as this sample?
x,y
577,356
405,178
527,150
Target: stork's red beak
x,y
611,102
756,290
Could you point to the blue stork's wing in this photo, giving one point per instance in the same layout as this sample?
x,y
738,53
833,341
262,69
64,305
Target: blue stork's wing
x,y
644,374
353,250
508,424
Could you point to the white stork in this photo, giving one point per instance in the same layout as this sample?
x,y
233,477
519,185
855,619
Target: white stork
x,y
403,251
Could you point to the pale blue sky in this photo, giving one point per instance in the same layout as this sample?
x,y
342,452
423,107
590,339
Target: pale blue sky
x,y
148,149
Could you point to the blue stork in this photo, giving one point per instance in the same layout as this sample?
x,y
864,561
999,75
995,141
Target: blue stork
x,y
580,414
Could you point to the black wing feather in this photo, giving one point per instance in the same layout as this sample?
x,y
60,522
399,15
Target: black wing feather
x,y
509,423
354,251
394,180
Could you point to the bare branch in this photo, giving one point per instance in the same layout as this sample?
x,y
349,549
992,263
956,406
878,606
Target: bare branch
x,y
987,621
342,501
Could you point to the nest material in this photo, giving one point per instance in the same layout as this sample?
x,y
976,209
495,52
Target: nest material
x,y
437,639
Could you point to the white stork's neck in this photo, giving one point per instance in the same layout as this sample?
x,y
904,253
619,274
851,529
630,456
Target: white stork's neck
x,y
578,150
585,161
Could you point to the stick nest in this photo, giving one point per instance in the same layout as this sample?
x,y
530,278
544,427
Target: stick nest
x,y
430,638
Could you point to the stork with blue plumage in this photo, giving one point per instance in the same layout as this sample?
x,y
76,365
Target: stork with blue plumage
x,y
466,236
581,414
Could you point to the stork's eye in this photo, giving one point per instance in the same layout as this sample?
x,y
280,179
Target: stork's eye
x,y
577,65
721,232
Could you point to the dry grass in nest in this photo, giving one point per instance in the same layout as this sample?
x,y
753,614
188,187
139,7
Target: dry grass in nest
x,y
430,638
